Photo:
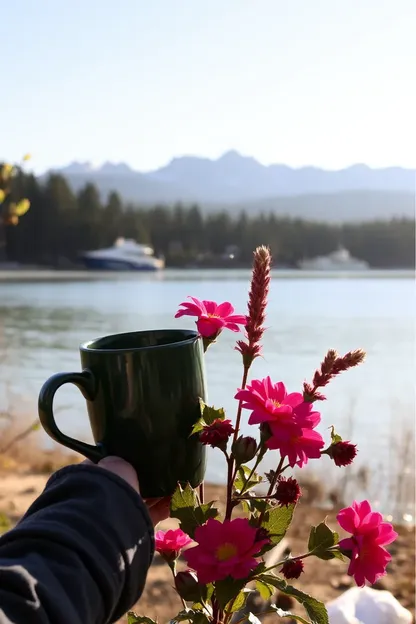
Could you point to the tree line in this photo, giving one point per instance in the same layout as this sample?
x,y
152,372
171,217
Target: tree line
x,y
61,223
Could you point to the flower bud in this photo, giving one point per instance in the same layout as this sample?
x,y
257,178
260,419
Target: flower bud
x,y
187,586
244,449
292,568
342,452
217,433
288,491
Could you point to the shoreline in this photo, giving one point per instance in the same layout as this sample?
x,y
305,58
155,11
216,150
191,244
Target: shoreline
x,y
59,275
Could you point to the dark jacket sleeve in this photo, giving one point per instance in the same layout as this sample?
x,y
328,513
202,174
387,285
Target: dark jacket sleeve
x,y
80,554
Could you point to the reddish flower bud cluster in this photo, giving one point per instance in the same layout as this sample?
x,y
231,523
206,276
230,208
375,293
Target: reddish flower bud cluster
x,y
292,568
332,365
257,302
217,434
342,452
288,491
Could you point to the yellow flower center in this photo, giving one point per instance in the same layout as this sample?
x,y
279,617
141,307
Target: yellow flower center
x,y
276,403
226,551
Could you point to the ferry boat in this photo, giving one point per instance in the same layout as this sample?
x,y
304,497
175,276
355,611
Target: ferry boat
x,y
124,255
339,260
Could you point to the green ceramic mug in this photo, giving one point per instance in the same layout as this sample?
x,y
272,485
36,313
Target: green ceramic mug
x,y
142,391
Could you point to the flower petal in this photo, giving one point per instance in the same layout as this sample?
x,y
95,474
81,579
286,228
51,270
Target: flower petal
x,y
224,309
348,519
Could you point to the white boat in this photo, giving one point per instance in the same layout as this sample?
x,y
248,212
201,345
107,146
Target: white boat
x,y
125,255
339,260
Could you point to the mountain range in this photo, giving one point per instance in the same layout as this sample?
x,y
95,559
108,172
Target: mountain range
x,y
238,182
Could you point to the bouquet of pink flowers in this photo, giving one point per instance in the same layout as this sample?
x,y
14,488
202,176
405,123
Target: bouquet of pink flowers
x,y
225,556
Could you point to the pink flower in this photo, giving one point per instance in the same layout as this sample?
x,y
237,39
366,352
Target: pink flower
x,y
212,318
224,549
365,546
170,543
270,402
298,448
290,419
217,433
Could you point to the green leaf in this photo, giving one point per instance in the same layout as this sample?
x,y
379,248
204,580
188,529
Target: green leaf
x,y
277,521
266,590
184,615
334,436
205,511
210,590
252,618
260,504
209,414
337,554
314,608
321,538
283,614
132,618
228,589
247,506
238,603
198,426
241,478
184,506
189,615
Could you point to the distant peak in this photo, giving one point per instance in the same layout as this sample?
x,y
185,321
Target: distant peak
x,y
109,167
231,154
234,156
77,167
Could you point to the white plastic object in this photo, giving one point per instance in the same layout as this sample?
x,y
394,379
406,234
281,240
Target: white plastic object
x,y
363,605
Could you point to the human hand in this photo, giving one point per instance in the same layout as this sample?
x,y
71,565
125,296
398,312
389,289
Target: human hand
x,y
158,507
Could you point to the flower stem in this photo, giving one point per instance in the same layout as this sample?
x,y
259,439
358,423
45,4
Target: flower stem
x,y
272,485
258,460
279,563
230,481
240,403
251,497
231,474
201,493
172,566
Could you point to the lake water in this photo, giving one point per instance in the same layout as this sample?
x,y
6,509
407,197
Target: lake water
x,y
42,323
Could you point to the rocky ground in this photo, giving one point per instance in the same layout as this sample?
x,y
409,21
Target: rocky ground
x,y
21,484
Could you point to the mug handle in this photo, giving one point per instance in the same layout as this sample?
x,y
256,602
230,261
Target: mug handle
x,y
85,381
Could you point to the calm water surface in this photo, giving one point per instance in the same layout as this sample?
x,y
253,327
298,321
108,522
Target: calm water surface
x,y
41,325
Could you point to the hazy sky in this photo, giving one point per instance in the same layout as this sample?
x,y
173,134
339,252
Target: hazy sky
x,y
322,82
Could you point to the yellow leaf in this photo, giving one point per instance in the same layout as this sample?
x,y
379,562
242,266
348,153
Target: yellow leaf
x,y
21,207
6,170
2,196
27,157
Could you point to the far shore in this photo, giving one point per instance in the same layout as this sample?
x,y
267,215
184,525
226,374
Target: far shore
x,y
21,275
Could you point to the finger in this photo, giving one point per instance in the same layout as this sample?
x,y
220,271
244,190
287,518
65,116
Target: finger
x,y
160,511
